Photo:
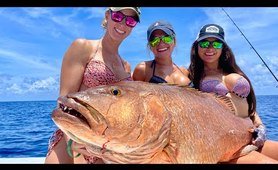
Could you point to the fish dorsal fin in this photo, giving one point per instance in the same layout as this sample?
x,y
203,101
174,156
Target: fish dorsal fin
x,y
226,101
189,88
177,85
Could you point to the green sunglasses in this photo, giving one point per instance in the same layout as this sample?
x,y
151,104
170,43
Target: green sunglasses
x,y
168,39
215,44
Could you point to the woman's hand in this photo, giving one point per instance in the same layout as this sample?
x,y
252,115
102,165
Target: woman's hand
x,y
259,135
78,148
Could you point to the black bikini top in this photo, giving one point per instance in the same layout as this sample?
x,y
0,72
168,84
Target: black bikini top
x,y
154,78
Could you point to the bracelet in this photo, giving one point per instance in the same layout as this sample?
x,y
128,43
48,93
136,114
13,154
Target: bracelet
x,y
69,150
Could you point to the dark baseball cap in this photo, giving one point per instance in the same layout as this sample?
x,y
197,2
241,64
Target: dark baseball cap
x,y
135,9
211,30
160,25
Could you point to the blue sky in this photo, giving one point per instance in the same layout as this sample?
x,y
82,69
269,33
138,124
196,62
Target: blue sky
x,y
34,40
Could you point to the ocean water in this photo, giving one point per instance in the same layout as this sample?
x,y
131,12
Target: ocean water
x,y
27,126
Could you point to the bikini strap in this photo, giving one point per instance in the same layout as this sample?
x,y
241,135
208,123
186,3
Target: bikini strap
x,y
98,45
153,66
122,61
179,69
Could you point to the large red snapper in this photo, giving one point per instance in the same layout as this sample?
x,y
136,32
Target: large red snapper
x,y
139,122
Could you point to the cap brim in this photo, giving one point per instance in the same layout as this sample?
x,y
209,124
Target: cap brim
x,y
207,36
166,30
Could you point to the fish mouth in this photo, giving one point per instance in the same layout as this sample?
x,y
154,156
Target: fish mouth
x,y
81,122
79,111
70,111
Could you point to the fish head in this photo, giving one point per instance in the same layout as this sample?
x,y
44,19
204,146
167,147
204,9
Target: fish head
x,y
124,116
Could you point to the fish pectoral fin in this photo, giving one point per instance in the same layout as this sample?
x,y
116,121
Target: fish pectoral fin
x,y
153,105
156,124
161,158
156,114
171,151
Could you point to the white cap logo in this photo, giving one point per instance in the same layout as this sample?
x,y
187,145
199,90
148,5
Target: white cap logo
x,y
156,24
212,29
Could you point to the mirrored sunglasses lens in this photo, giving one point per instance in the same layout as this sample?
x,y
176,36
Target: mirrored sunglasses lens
x,y
155,41
167,39
117,16
131,22
204,44
217,45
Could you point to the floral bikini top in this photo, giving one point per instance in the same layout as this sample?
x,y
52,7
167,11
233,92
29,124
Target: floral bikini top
x,y
98,73
241,88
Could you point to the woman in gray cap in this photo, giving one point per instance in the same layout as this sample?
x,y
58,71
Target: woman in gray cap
x,y
161,41
213,68
89,63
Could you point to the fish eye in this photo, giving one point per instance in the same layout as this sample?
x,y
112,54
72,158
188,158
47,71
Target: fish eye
x,y
116,92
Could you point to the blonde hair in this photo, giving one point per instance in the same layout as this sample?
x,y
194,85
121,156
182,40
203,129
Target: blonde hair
x,y
104,21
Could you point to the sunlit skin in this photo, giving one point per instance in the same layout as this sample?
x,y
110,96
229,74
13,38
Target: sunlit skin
x,y
118,31
165,67
74,64
162,50
210,55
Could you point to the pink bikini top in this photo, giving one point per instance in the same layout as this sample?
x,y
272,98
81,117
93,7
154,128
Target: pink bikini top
x,y
241,88
98,73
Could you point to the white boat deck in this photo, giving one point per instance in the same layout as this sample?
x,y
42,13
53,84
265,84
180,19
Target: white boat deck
x,y
31,160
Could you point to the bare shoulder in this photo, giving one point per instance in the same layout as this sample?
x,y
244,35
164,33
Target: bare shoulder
x,y
142,66
80,44
181,78
139,72
80,49
184,70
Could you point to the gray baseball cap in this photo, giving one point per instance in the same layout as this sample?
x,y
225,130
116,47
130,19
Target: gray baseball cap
x,y
160,25
211,30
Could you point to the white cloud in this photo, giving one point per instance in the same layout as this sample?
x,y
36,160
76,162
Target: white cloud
x,y
37,12
262,68
49,20
241,62
30,61
48,84
259,69
259,27
273,60
16,89
255,23
94,12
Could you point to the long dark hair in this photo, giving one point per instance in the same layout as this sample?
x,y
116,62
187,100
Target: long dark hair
x,y
227,64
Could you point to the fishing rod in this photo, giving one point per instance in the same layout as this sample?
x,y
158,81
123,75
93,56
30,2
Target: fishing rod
x,y
251,45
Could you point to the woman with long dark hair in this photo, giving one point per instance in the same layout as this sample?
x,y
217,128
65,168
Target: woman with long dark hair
x,y
213,68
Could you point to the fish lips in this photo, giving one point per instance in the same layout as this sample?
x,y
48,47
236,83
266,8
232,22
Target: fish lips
x,y
68,112
76,107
